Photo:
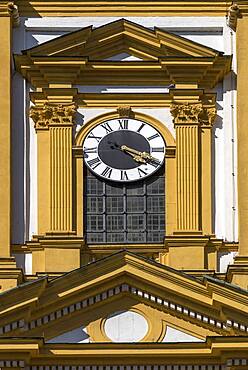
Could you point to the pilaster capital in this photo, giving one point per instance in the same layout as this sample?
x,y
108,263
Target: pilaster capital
x,y
9,9
193,114
52,114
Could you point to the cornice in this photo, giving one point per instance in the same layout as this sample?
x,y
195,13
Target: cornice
x,y
43,8
218,352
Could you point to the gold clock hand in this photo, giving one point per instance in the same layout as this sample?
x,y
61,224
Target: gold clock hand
x,y
143,155
134,153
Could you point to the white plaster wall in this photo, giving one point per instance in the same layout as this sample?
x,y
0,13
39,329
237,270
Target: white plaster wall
x,y
210,31
174,335
126,326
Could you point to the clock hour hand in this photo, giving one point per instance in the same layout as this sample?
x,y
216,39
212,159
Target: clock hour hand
x,y
143,155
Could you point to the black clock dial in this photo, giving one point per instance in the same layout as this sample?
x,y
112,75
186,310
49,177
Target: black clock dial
x,y
123,150
109,149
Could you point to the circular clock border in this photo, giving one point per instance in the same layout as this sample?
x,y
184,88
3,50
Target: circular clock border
x,y
148,162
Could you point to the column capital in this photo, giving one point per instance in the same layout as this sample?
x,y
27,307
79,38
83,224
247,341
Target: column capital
x,y
52,114
193,113
9,9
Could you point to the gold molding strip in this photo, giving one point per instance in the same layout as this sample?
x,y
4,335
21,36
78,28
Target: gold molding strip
x,y
123,7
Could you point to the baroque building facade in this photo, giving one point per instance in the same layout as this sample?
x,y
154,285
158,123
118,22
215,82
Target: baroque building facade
x,y
123,201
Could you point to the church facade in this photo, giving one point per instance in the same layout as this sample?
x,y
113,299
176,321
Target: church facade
x,y
123,201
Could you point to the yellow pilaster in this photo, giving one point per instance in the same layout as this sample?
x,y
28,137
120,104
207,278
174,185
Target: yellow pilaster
x,y
9,274
5,132
242,104
56,248
61,170
53,124
193,120
238,273
187,163
207,122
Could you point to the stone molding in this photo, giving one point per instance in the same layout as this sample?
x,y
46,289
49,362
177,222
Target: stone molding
x,y
195,113
50,114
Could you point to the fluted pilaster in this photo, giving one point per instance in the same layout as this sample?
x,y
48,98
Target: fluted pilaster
x,y
188,119
58,120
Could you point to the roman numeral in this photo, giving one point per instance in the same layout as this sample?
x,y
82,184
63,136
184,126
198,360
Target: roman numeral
x,y
124,175
140,128
154,163
123,124
92,136
153,136
106,126
107,172
158,150
93,163
141,173
90,150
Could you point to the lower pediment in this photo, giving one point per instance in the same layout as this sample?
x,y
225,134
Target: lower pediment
x,y
94,296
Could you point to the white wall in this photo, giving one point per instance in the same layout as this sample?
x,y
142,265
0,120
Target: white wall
x,y
211,32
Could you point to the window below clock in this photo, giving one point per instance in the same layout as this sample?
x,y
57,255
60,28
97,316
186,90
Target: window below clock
x,y
124,212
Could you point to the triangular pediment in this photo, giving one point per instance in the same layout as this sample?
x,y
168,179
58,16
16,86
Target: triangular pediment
x,y
124,282
121,36
92,56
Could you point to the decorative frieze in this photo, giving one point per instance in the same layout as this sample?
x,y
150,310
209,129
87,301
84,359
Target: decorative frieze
x,y
48,114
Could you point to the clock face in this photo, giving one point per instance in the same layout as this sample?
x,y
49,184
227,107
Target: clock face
x,y
124,150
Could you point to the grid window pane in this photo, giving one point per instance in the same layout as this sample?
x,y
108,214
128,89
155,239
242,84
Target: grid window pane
x,y
136,237
155,222
115,223
94,186
135,204
156,186
155,237
155,204
95,222
135,189
114,204
95,237
115,237
114,189
95,204
135,222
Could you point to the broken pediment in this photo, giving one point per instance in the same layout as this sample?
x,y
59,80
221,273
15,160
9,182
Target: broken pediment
x,y
124,282
88,57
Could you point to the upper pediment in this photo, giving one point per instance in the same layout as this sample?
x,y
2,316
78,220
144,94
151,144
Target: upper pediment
x,y
92,56
121,36
124,282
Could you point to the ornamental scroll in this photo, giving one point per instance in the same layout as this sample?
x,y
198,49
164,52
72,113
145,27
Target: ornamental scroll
x,y
48,114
